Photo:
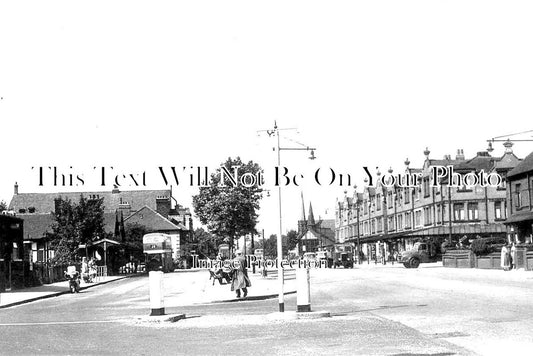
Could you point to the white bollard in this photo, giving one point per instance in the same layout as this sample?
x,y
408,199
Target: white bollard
x,y
303,291
156,293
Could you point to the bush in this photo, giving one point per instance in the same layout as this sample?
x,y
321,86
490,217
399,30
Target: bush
x,y
480,247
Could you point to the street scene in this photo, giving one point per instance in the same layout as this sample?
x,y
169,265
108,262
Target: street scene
x,y
375,310
250,178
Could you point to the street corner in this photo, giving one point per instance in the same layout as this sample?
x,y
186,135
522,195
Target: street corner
x,y
156,319
294,315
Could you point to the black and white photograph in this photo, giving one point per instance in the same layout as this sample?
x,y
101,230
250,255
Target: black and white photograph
x,y
266,177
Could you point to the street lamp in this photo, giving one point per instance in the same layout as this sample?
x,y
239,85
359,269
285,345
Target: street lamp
x,y
275,132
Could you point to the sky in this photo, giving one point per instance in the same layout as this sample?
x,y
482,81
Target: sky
x,y
136,85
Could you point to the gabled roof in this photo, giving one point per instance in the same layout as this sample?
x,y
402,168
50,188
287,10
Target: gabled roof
x,y
507,161
443,162
45,202
523,167
153,221
482,161
36,226
328,224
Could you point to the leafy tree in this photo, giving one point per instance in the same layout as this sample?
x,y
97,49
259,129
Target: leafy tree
x,y
75,224
133,242
207,243
270,246
3,205
290,241
227,209
90,219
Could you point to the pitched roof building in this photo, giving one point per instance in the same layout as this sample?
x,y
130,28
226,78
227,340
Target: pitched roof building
x,y
520,201
150,208
314,235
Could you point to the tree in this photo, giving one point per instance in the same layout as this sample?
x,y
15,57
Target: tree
x,y
207,243
90,219
290,241
270,246
229,208
133,242
75,224
3,205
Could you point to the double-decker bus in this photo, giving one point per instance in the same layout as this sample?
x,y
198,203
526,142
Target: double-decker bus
x,y
158,252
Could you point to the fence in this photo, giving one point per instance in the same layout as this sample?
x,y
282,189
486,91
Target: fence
x,y
467,259
458,259
101,272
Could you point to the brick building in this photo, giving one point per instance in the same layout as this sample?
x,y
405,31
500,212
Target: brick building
x,y
399,216
120,207
520,201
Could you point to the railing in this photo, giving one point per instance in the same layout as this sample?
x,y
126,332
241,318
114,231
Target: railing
x,y
101,272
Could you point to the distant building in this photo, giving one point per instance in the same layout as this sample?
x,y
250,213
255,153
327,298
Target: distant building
x,y
520,201
399,216
315,235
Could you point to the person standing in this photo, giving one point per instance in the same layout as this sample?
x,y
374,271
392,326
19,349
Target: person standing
x,y
513,256
240,280
505,263
84,269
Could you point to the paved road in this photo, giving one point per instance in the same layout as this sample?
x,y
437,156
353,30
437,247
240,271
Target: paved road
x,y
377,311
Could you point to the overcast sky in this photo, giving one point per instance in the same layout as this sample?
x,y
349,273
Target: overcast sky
x,y
142,84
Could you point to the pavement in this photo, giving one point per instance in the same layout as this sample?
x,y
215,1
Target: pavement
x,y
195,287
190,290
26,295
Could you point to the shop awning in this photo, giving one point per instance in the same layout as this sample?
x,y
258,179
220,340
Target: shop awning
x,y
463,229
519,217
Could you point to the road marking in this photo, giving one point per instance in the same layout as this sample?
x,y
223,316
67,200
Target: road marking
x,y
63,322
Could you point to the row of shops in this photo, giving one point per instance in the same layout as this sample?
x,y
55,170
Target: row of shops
x,y
381,222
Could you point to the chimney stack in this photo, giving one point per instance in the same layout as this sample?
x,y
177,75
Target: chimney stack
x,y
16,188
460,155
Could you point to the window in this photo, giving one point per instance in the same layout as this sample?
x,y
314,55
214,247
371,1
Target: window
x,y
464,187
378,202
365,207
426,187
503,184
391,223
417,193
438,216
389,199
406,198
427,216
408,220
458,212
400,222
418,217
518,200
373,226
379,222
473,211
497,209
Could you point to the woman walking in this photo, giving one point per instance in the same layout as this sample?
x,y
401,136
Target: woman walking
x,y
240,278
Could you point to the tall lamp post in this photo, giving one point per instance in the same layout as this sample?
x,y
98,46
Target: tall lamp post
x,y
275,132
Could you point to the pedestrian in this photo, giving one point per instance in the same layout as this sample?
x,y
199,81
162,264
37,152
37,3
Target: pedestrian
x,y
92,269
505,258
240,280
513,256
84,269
